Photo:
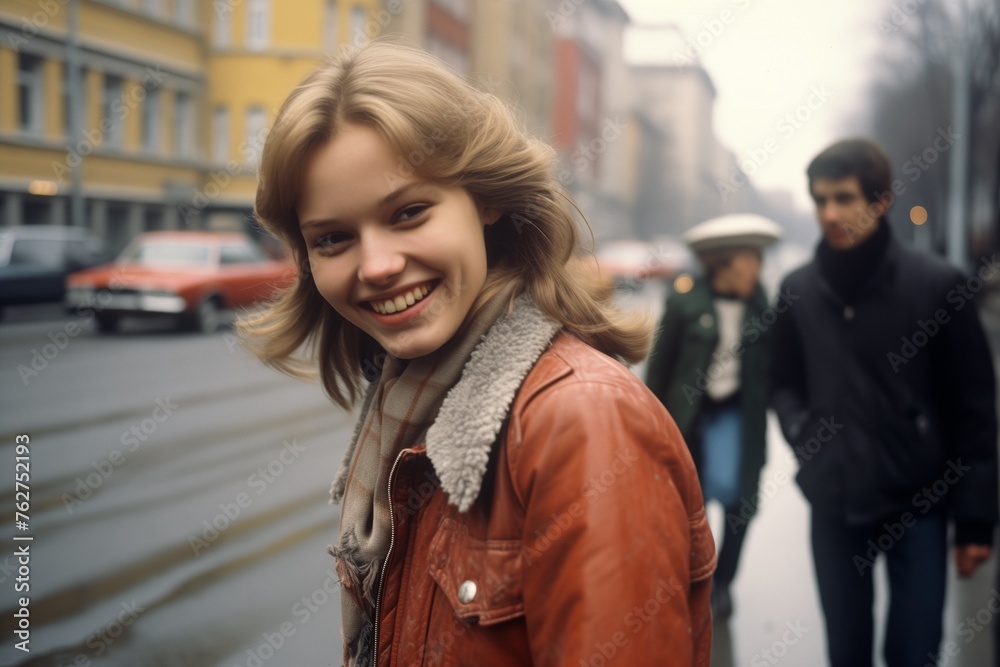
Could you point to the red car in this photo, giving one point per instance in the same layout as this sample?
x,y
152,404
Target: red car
x,y
192,275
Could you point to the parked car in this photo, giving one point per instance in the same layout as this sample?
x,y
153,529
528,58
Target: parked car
x,y
35,260
188,274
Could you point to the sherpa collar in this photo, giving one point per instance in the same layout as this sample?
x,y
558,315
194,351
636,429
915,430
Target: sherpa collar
x,y
459,441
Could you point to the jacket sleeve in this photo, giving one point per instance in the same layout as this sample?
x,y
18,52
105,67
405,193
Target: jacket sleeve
x,y
617,552
966,378
787,381
662,362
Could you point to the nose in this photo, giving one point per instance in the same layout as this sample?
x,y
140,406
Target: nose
x,y
828,212
382,259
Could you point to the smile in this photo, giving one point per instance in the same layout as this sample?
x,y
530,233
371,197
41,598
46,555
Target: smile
x,y
402,301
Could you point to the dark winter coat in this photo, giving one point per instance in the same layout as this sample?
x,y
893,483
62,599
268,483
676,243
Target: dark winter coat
x,y
682,357
889,401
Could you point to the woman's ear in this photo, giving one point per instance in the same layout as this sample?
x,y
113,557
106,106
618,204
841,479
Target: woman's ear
x,y
489,215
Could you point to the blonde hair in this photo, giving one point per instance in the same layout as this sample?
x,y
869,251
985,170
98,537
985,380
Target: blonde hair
x,y
447,131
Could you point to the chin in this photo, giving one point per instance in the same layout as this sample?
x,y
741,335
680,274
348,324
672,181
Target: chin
x,y
412,347
838,241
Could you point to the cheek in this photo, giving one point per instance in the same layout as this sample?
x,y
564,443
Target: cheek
x,y
464,248
330,282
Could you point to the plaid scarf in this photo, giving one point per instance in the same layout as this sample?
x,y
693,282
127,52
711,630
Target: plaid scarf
x,y
406,400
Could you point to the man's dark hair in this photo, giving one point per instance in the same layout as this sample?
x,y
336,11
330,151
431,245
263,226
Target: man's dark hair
x,y
854,157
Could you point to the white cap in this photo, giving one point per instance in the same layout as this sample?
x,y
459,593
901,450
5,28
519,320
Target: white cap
x,y
738,230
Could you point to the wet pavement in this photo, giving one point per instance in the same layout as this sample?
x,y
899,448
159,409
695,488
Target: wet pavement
x,y
178,502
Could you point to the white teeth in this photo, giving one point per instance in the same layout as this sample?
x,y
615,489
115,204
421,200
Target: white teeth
x,y
401,302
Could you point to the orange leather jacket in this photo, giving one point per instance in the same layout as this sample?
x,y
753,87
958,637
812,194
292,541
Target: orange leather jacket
x,y
582,540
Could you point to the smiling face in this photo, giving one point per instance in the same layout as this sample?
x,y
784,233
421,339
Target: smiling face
x,y
401,258
846,217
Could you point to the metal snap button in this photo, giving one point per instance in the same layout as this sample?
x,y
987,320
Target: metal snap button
x,y
467,592
706,320
848,313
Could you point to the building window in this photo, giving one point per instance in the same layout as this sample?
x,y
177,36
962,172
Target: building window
x,y
220,134
35,212
151,119
358,35
258,24
30,92
256,131
223,24
184,132
331,25
154,7
184,11
111,121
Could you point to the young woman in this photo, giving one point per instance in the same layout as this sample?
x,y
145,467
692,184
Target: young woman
x,y
512,494
709,368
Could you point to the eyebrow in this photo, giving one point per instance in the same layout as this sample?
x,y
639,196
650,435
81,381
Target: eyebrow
x,y
837,195
388,199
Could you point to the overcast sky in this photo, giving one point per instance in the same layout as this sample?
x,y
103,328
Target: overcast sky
x,y
790,75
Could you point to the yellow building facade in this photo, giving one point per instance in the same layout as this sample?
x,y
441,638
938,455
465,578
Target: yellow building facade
x,y
173,101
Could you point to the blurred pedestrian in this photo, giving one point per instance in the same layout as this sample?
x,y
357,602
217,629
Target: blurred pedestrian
x,y
883,383
513,495
709,368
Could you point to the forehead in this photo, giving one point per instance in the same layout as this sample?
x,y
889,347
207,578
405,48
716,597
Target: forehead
x,y
829,187
349,173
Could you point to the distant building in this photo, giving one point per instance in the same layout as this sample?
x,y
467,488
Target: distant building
x,y
513,58
592,111
698,178
680,100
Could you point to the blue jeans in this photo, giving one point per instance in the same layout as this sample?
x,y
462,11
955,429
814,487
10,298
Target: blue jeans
x,y
720,435
719,467
916,557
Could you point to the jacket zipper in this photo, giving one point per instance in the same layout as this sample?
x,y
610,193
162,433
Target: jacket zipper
x,y
385,563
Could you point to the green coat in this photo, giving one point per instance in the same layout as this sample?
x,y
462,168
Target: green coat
x,y
681,357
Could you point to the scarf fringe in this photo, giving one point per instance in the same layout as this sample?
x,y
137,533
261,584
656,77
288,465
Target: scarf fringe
x,y
358,576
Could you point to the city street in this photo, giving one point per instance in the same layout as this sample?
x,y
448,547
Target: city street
x,y
180,518
178,503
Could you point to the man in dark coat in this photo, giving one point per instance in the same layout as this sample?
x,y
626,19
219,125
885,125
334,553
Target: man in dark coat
x,y
883,382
